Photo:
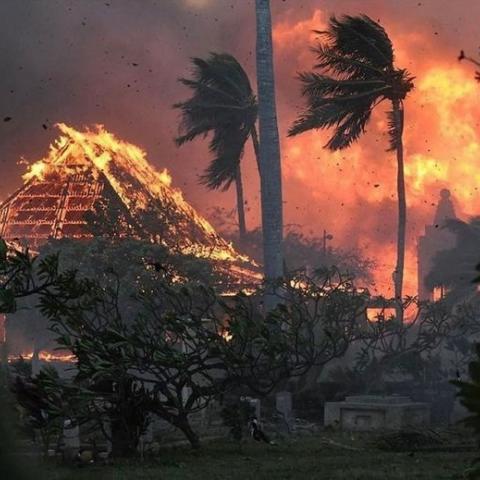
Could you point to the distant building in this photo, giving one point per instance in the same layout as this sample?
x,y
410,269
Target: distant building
x,y
93,172
435,239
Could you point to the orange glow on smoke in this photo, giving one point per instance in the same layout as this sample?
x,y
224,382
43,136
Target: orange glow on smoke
x,y
352,193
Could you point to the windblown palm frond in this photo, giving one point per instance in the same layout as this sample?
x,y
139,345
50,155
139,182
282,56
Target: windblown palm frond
x,y
227,145
223,104
361,38
358,58
357,72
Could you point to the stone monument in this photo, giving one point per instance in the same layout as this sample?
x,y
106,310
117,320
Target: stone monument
x,y
375,412
283,404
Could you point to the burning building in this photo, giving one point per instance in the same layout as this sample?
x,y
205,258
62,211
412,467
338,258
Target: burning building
x,y
90,172
85,170
435,239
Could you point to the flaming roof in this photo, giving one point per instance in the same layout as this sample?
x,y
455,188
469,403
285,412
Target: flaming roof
x,y
83,168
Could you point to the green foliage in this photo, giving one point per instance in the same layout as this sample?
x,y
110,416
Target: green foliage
x,y
23,275
179,346
42,401
236,417
139,263
414,349
148,342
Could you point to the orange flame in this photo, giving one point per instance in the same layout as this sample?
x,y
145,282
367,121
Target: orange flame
x,y
353,192
137,184
45,356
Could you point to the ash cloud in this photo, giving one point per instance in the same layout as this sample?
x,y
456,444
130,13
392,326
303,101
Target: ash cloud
x,y
116,62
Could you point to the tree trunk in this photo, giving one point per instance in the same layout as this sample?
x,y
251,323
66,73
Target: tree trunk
x,y
269,150
124,440
183,425
242,227
256,148
402,211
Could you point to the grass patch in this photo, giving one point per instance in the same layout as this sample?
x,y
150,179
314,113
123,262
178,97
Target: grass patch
x,y
305,458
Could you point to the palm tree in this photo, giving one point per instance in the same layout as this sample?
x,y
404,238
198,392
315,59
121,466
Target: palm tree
x,y
358,73
270,166
223,104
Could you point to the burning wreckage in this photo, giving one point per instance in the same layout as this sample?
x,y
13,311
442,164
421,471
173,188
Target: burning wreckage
x,y
84,169
87,170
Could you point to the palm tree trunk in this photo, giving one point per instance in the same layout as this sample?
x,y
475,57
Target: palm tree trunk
x,y
256,148
402,211
242,226
269,150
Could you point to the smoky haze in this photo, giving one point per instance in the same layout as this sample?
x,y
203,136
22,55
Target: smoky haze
x,y
116,62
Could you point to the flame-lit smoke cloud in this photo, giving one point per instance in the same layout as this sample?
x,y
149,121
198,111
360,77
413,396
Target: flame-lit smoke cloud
x,y
111,62
353,192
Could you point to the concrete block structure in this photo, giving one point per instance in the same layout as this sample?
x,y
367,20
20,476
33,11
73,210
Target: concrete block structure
x,y
372,412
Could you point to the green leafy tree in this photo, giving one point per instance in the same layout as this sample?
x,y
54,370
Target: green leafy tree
x,y
183,346
357,67
21,275
224,105
389,345
41,399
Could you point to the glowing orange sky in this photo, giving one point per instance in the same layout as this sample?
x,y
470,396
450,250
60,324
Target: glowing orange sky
x,y
72,62
442,147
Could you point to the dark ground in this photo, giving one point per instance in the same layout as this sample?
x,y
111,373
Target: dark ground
x,y
294,459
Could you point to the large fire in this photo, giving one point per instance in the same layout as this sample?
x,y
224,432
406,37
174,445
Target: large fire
x,y
352,193
135,181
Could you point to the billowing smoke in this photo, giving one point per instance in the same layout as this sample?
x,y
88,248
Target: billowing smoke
x,y
116,62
